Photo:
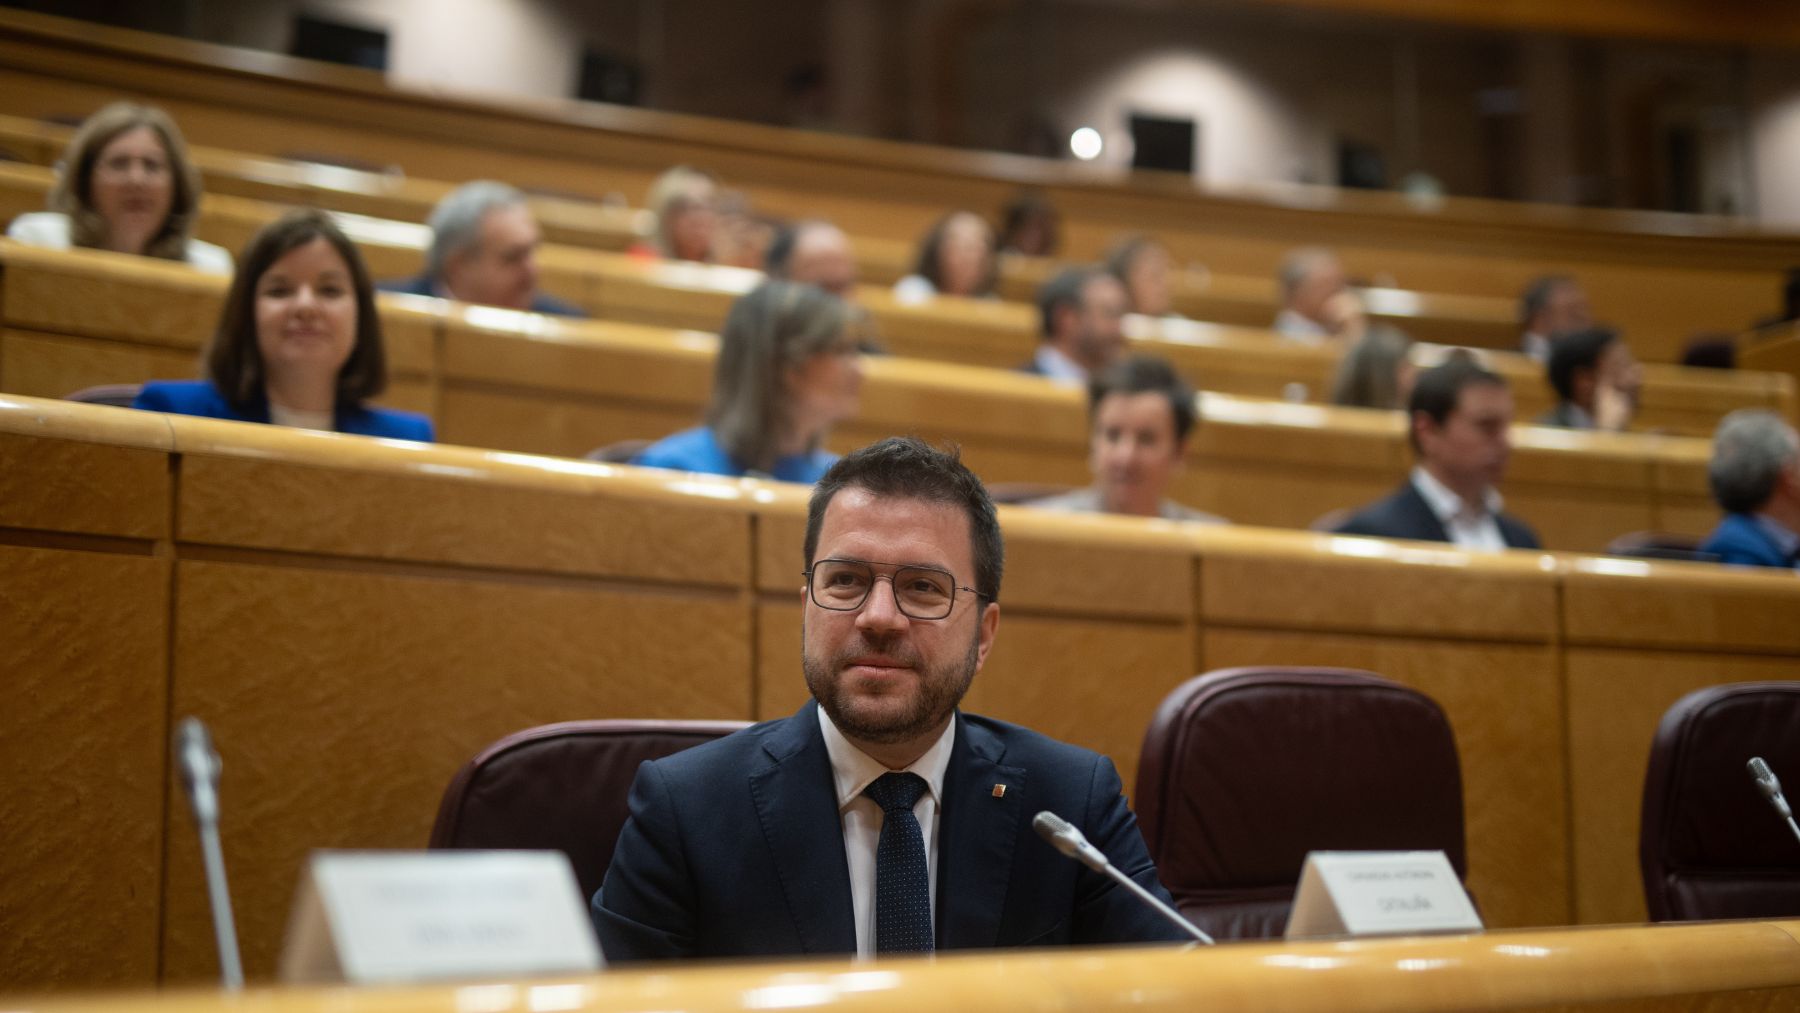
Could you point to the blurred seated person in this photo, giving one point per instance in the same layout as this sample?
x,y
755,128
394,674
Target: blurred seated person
x,y
1710,351
1596,380
789,368
1082,320
956,257
484,243
742,237
1030,226
1140,415
684,202
814,252
1376,372
1755,477
125,185
1142,265
1317,304
1551,305
1459,419
298,342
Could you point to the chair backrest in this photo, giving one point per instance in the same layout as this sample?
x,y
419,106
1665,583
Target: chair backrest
x,y
1660,545
119,395
621,452
561,786
1710,845
1024,492
1245,770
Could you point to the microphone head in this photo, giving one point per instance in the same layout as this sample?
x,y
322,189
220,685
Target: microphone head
x,y
195,753
1759,769
1056,830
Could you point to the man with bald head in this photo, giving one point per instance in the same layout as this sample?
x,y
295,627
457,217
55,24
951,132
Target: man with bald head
x,y
814,252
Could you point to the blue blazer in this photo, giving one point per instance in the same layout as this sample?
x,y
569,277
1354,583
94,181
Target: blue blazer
x,y
200,397
698,450
540,303
736,849
1405,514
1741,540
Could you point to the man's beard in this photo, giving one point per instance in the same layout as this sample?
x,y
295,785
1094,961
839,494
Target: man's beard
x,y
939,689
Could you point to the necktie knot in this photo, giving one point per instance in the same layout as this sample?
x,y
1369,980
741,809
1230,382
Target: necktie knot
x,y
896,791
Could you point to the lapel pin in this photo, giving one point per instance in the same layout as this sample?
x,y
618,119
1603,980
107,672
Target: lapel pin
x,y
999,791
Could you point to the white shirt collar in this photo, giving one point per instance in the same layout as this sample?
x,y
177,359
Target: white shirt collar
x,y
1447,505
1295,326
852,770
1057,366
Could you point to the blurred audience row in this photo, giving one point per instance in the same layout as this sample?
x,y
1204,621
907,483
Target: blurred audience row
x,y
299,342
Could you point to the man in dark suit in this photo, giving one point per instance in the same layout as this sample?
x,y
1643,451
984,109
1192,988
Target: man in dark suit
x,y
1755,476
879,818
1459,416
483,250
1081,315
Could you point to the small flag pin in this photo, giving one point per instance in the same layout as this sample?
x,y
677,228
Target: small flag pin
x,y
999,791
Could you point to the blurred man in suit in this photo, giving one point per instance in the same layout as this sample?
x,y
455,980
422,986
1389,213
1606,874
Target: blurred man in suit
x,y
1317,304
484,243
1459,418
1082,320
1596,380
1551,305
879,818
1755,476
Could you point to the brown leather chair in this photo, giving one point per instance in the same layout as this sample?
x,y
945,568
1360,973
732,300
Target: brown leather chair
x,y
1711,846
1245,770
1660,545
561,786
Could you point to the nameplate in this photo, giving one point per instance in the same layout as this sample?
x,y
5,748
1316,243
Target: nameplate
x,y
375,917
1379,893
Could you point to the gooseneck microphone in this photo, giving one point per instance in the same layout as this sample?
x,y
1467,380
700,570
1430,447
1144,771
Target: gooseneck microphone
x,y
199,766
1063,836
1771,789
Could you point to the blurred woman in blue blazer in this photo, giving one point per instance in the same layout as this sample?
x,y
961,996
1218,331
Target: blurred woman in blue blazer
x,y
298,343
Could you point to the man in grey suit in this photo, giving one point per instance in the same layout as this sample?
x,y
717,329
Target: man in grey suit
x,y
1458,421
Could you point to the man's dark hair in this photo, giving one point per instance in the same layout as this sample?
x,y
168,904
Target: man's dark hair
x,y
1145,374
1437,390
1573,351
1065,288
1537,295
905,467
234,361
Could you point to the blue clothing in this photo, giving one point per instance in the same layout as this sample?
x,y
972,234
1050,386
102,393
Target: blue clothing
x,y
200,397
698,450
540,303
1742,539
735,848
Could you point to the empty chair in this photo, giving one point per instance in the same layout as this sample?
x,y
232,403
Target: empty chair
x,y
1245,770
1711,846
561,786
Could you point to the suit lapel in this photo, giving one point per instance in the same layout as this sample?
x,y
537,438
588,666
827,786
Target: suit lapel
x,y
1419,516
976,835
797,806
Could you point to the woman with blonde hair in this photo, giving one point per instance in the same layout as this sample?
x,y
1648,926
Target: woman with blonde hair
x,y
789,368
685,202
125,185
1376,371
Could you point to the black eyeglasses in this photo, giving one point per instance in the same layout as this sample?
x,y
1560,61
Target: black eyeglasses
x,y
920,592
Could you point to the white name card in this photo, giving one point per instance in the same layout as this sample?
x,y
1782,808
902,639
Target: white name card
x,y
1379,893
372,917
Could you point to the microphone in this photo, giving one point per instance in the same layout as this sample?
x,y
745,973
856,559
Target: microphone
x,y
1767,783
1064,837
199,766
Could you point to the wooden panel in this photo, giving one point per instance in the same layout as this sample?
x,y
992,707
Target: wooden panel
x,y
83,488
342,703
540,423
1277,580
1503,704
249,503
1628,603
81,818
110,295
1616,698
57,365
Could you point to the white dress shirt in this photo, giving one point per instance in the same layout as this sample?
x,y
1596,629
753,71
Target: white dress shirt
x,y
51,230
853,770
1470,526
1052,363
1295,327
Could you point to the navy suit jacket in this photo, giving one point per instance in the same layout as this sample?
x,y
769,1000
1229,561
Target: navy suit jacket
x,y
736,849
200,397
540,303
1739,539
1405,514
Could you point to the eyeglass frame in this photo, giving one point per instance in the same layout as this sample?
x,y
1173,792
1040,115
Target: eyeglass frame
x,y
812,594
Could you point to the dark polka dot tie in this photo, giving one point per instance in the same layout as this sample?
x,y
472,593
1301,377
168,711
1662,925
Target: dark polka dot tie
x,y
902,882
